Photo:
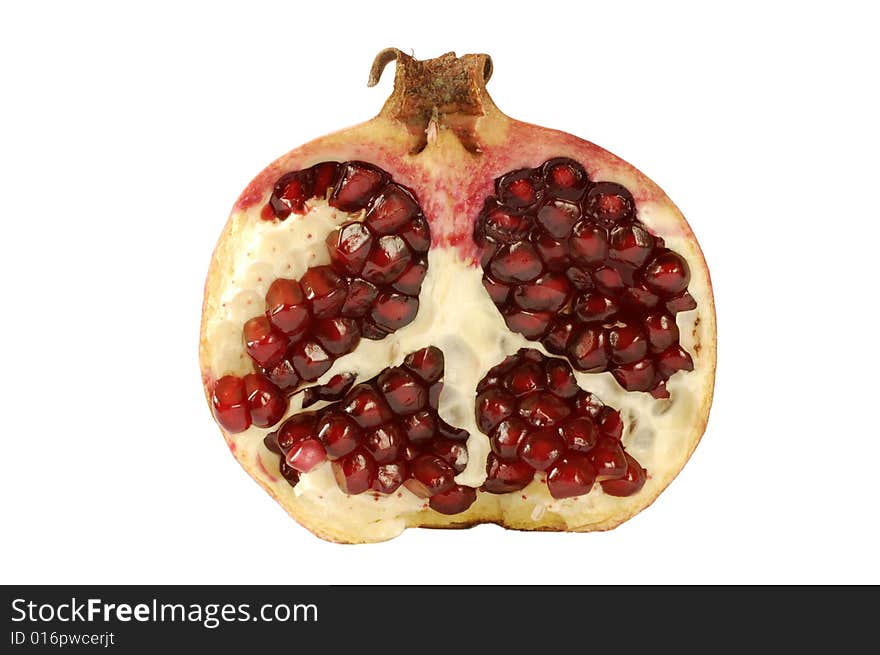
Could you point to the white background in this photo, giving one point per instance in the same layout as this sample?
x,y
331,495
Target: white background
x,y
128,132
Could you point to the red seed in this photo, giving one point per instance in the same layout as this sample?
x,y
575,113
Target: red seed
x,y
309,359
541,448
661,331
430,476
229,401
681,303
339,434
560,379
385,442
324,289
630,244
516,263
674,359
565,178
361,295
493,406
417,235
392,311
389,477
498,292
517,189
265,345
608,279
427,363
668,274
420,427
609,203
558,336
627,343
283,375
324,176
348,247
338,335
266,402
579,433
558,217
610,423
366,406
502,225
588,349
334,389
452,452
504,476
296,428
453,501
524,379
356,472
410,281
506,437
286,307
305,455
573,475
553,253
594,307
589,243
357,185
542,408
631,482
608,458
393,209
549,293
387,259
290,193
403,392
638,376
532,325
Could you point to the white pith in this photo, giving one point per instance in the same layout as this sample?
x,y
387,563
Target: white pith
x,y
457,316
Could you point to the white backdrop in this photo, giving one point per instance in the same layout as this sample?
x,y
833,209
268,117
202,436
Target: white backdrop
x,y
128,132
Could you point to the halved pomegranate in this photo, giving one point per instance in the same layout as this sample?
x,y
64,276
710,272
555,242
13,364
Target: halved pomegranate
x,y
444,316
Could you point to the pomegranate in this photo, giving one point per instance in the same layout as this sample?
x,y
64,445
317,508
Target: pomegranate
x,y
444,317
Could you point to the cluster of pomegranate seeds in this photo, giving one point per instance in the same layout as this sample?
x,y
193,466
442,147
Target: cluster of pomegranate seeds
x,y
382,434
538,419
370,289
239,403
568,263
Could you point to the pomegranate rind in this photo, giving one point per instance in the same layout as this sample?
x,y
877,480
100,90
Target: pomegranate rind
x,y
451,183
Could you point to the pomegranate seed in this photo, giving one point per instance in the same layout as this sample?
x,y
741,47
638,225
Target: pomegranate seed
x,y
609,203
504,226
586,404
453,501
271,444
594,307
286,307
532,325
266,402
668,274
430,476
366,406
518,189
633,479
610,423
565,178
338,336
543,409
402,391
661,331
356,472
289,474
389,477
493,406
579,433
541,448
553,253
296,429
309,359
305,455
334,389
504,476
589,243
283,375
324,289
387,259
608,279
558,217
384,442
497,292
524,379
265,345
361,295
507,436
348,247
339,434
639,299
682,303
627,342
452,452
324,176
560,379
290,193
357,185
427,363
674,359
420,427
516,263
410,281
588,349
638,376
580,279
394,310
608,458
558,336
369,330
393,209
573,475
549,293
630,244
230,404
417,235
450,432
